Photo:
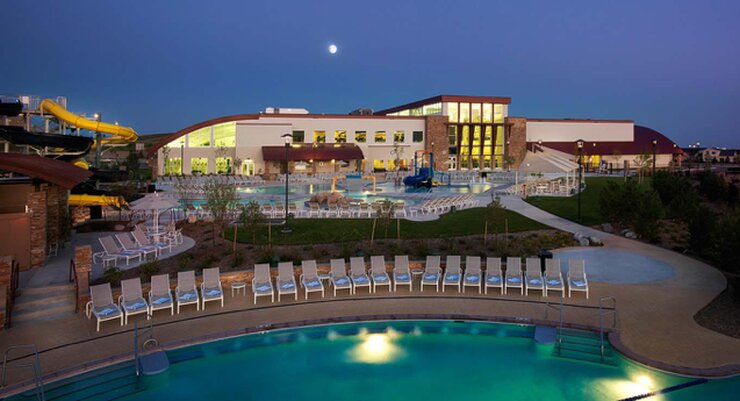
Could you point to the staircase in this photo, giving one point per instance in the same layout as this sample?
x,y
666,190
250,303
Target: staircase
x,y
109,384
35,304
585,346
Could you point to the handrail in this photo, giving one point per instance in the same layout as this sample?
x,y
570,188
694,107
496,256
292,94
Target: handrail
x,y
151,340
35,366
603,312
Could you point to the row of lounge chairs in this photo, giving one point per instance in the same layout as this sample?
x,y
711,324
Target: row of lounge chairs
x,y
200,180
132,302
444,205
134,245
336,210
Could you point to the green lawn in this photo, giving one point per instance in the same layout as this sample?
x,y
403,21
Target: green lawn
x,y
320,231
567,207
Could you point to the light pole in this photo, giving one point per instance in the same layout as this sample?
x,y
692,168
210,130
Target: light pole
x,y
655,146
182,157
580,175
675,159
98,142
288,139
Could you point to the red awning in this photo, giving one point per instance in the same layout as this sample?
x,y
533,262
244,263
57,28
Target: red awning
x,y
321,152
58,172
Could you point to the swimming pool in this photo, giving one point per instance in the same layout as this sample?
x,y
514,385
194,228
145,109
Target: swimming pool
x,y
399,360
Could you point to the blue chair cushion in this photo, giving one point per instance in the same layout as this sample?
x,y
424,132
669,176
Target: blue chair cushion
x,y
578,283
342,281
287,285
313,283
213,292
452,277
493,279
535,281
380,277
161,300
515,280
188,296
402,277
430,276
553,282
360,279
472,278
263,287
107,311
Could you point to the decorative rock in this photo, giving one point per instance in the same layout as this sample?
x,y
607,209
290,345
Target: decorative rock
x,y
583,241
595,241
606,227
630,234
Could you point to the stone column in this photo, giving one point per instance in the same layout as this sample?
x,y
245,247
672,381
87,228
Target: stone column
x,y
436,132
517,147
52,213
36,201
83,267
6,265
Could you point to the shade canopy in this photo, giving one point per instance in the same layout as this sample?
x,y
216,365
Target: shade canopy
x,y
547,161
154,201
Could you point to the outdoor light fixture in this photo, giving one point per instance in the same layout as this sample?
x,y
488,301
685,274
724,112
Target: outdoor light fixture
x,y
655,146
288,140
580,174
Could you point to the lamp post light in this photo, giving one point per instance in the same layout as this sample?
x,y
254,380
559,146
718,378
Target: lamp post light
x,y
580,175
288,139
675,158
655,146
98,142
182,157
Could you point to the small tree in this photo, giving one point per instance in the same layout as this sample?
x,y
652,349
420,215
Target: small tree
x,y
251,219
237,165
166,157
495,213
643,161
222,201
397,153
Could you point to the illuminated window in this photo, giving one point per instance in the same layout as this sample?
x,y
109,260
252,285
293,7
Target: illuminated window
x,y
360,136
430,109
200,138
173,166
499,136
463,162
418,136
299,136
177,143
487,113
319,136
452,112
399,137
498,113
452,135
379,136
417,111
476,139
464,112
475,112
465,137
199,165
487,162
223,165
488,136
475,161
403,113
340,136
391,165
378,165
224,135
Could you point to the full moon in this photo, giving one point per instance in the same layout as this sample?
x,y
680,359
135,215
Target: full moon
x,y
332,49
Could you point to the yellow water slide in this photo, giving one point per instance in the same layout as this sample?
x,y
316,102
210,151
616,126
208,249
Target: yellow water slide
x,y
97,200
119,134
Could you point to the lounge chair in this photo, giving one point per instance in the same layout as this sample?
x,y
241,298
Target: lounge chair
x,y
533,276
210,288
129,245
186,293
378,273
453,274
339,278
112,249
514,276
142,239
472,276
309,279
132,300
262,282
101,305
401,272
494,276
553,277
432,273
577,280
286,284
358,274
160,294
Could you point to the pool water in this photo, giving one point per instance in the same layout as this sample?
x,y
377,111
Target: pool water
x,y
430,360
385,187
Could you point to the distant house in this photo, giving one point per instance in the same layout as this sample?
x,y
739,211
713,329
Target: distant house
x,y
729,156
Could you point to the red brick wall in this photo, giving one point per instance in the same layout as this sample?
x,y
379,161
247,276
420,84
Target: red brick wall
x,y
6,264
436,132
517,147
83,267
37,204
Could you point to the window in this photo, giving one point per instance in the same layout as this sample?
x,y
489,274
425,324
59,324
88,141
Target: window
x,y
435,108
299,136
379,136
476,139
475,112
452,112
403,113
399,137
463,163
360,136
173,166
200,138
417,111
391,165
378,165
475,161
199,165
464,112
487,162
224,135
418,136
319,136
340,136
465,137
177,143
223,165
452,135
487,112
488,137
498,113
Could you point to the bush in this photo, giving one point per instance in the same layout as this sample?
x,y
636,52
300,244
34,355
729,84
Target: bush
x,y
676,193
184,260
632,205
112,275
237,260
266,255
728,238
702,229
712,186
149,269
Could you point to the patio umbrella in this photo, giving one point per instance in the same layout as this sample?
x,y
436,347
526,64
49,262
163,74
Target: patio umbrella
x,y
154,202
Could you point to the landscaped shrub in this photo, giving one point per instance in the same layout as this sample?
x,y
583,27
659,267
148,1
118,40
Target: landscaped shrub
x,y
632,205
676,193
149,269
112,275
184,260
712,186
237,260
702,231
265,255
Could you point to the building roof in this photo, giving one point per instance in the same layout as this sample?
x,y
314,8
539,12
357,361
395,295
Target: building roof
x,y
54,171
642,142
446,98
320,152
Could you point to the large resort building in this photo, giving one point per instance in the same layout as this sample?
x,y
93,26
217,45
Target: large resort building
x,y
463,132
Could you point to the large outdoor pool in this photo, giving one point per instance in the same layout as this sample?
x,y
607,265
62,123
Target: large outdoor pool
x,y
402,360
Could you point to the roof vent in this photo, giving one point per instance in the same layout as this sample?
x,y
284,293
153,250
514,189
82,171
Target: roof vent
x,y
285,110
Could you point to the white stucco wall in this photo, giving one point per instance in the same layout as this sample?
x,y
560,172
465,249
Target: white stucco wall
x,y
571,131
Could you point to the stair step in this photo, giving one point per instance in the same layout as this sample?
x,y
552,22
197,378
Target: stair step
x,y
64,311
44,303
584,349
582,340
92,387
608,359
91,378
30,291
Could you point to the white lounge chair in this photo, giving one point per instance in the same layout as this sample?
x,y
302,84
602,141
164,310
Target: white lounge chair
x,y
401,272
577,280
262,282
494,276
533,276
112,250
432,273
210,288
339,278
129,245
378,273
553,277
472,276
132,300
286,284
186,293
142,239
514,277
453,273
101,305
309,279
160,294
358,274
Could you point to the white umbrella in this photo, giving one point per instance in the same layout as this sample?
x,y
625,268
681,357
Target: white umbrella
x,y
154,202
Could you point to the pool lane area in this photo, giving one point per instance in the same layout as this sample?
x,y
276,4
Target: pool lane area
x,y
616,267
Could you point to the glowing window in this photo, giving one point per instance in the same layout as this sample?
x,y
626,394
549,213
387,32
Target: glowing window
x,y
399,137
360,136
434,108
224,135
177,143
200,138
223,165
403,113
319,136
379,136
340,136
487,112
199,165
464,112
452,112
498,113
378,164
475,112
173,166
452,135
417,111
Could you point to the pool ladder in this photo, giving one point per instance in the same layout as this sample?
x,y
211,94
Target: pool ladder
x,y
35,366
604,312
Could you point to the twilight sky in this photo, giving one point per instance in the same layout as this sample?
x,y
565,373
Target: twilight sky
x,y
159,66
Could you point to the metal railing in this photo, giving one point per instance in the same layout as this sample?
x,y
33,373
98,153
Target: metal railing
x,y
150,341
35,366
605,312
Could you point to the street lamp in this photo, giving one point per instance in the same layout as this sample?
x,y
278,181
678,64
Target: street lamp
x,y
675,158
98,141
655,146
288,139
580,175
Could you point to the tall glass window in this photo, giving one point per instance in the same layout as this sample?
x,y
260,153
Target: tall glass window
x,y
487,113
299,136
452,135
177,143
452,112
199,165
319,136
498,113
360,136
173,166
224,135
475,111
464,112
476,140
418,136
340,136
417,111
465,137
223,165
403,113
200,138
399,137
379,136
434,108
